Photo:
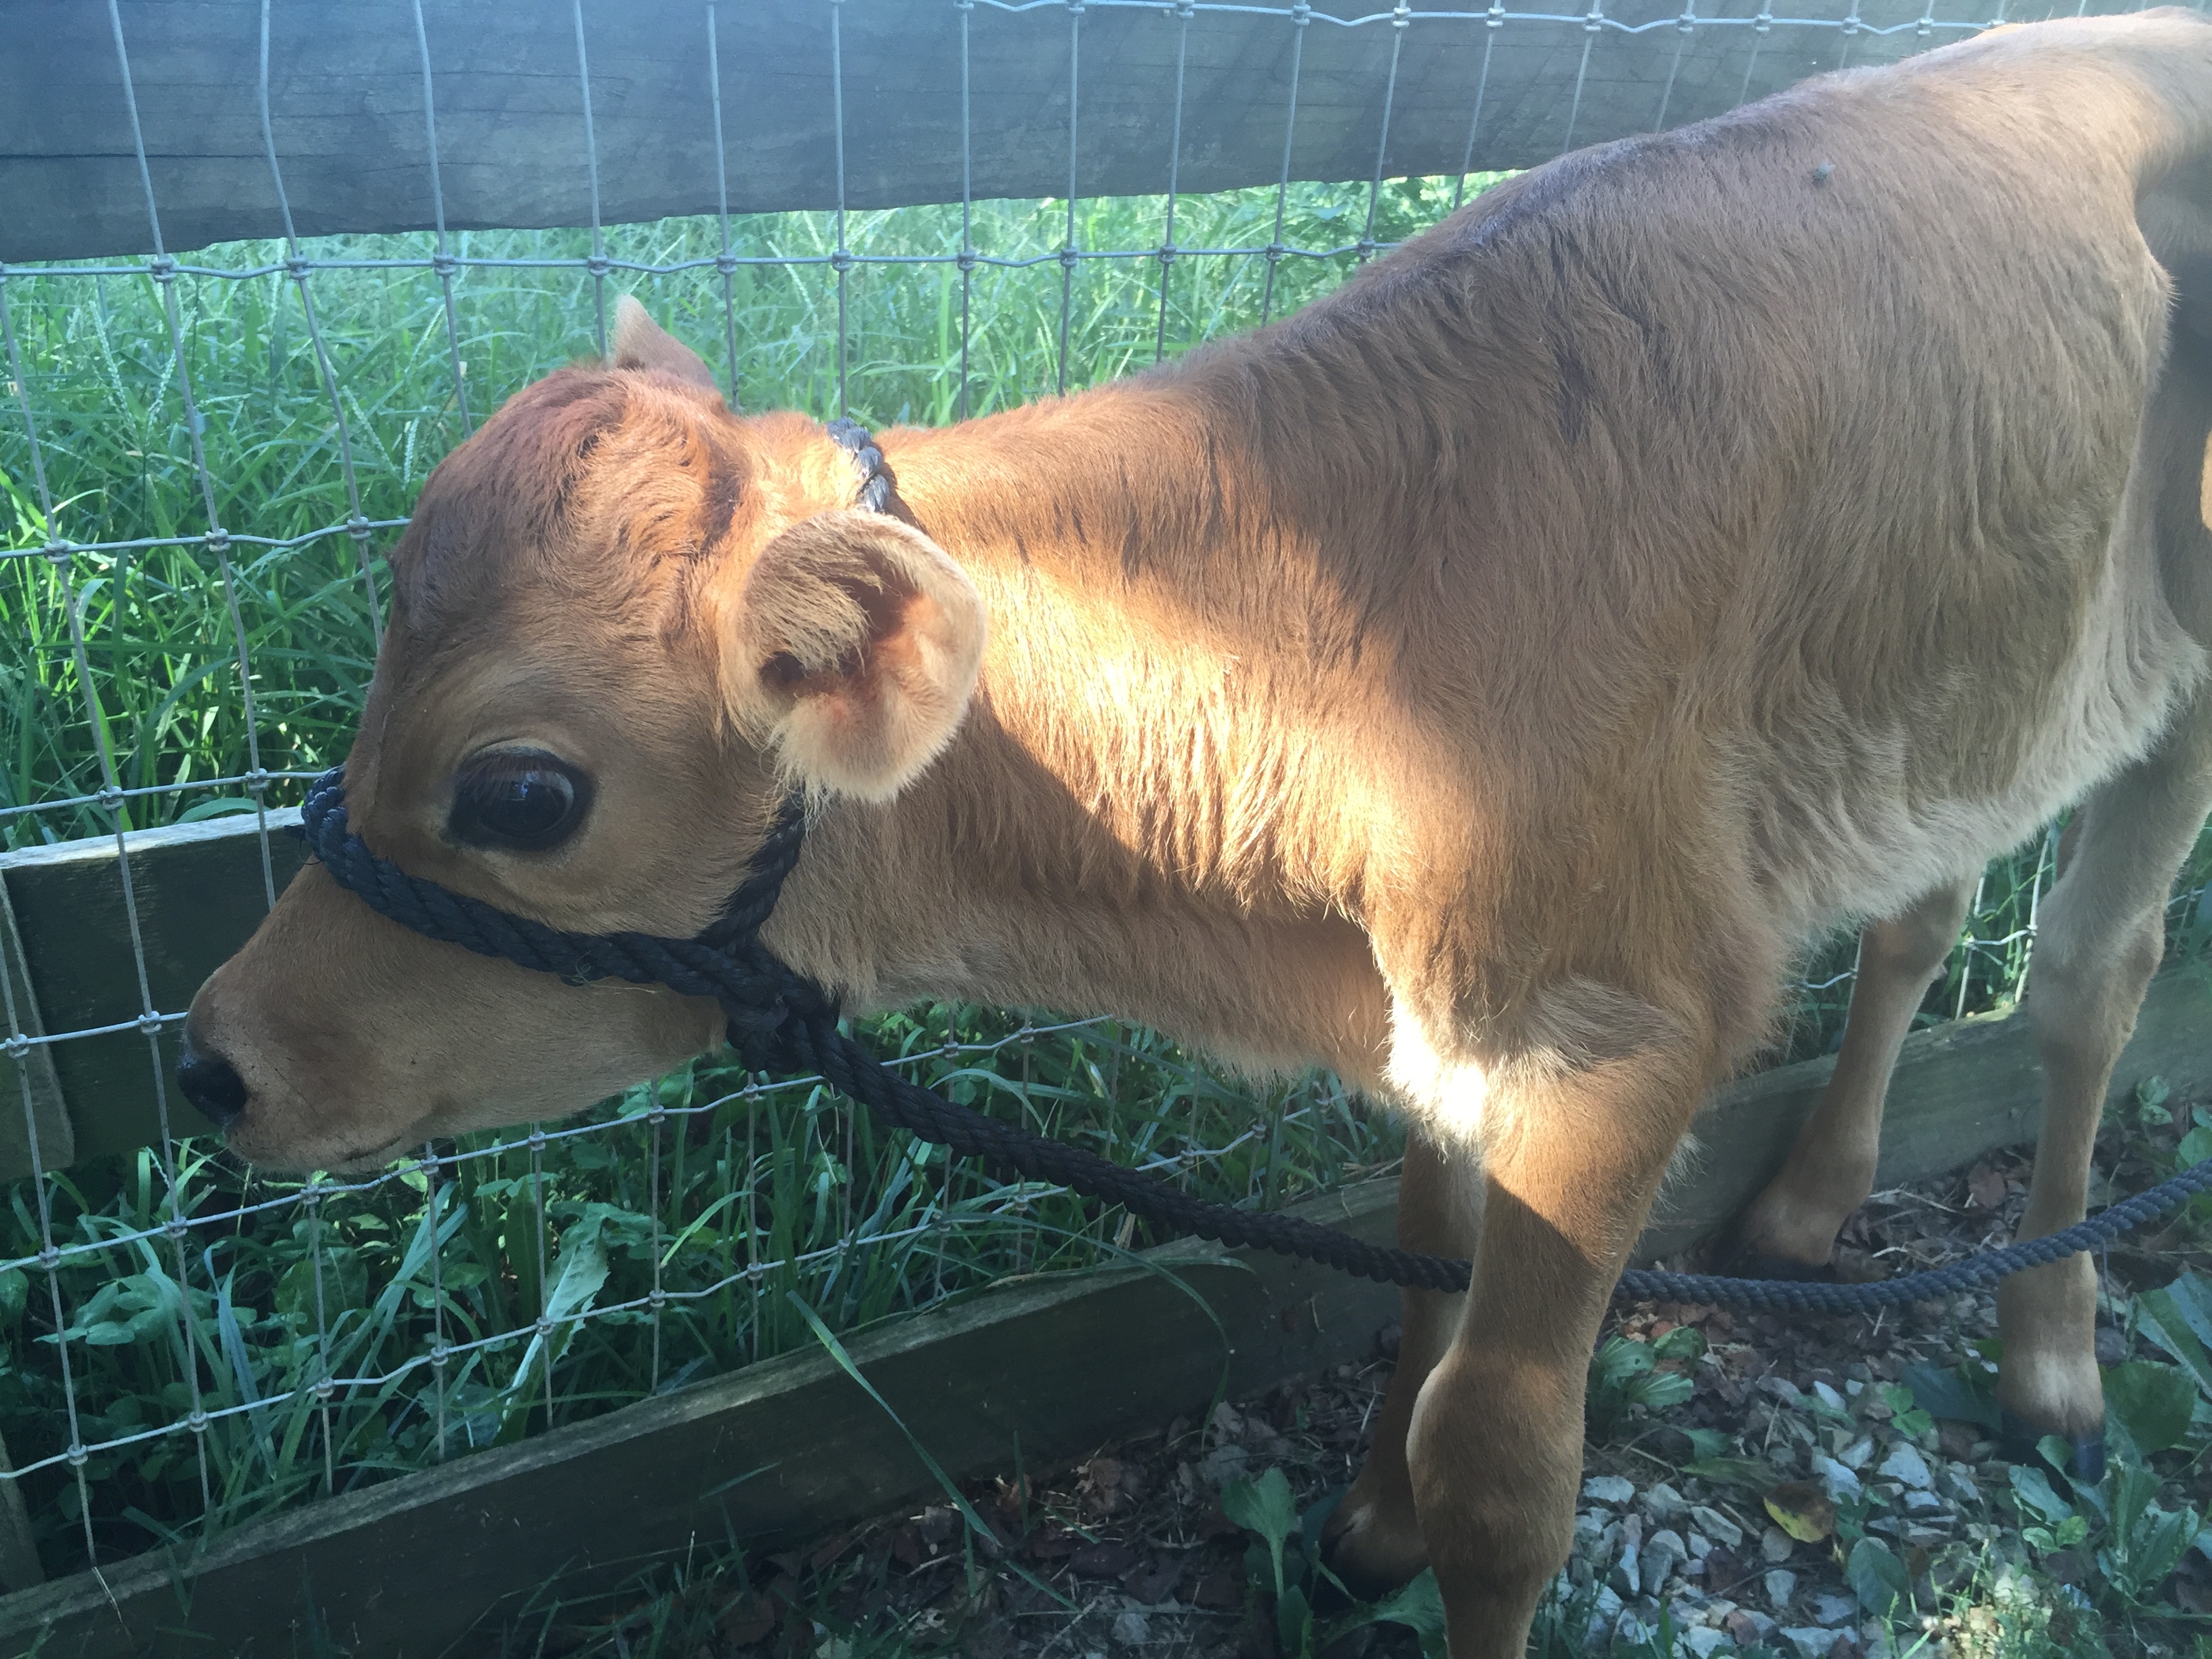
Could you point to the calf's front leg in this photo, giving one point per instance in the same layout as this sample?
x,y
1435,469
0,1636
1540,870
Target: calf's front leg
x,y
1373,1538
1573,1152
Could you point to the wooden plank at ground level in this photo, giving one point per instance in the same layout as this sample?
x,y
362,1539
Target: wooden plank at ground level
x,y
346,104
779,1453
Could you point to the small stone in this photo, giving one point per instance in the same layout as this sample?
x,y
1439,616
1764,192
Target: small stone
x,y
1744,1627
1609,1489
1701,1642
1781,1585
1956,1440
2111,1346
1698,1545
1631,1629
1924,1504
1858,1454
1834,1610
1828,1397
1662,1504
1927,1537
1836,1479
1906,1464
1782,1390
1625,1576
1775,1545
1961,1487
1717,1526
1663,1553
1810,1641
1605,1612
1132,1629
1589,1527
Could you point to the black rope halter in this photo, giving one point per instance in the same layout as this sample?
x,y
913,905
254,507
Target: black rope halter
x,y
780,1021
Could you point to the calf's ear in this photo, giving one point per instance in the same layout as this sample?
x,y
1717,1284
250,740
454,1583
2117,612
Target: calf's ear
x,y
641,342
859,639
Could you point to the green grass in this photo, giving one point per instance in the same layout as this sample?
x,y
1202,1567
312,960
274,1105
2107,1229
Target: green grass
x,y
305,1329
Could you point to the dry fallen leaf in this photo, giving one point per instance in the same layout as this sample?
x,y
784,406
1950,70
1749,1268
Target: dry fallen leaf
x,y
1985,1188
1801,1509
749,1619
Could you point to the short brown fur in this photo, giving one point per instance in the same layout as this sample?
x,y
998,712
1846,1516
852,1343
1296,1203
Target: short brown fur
x,y
1479,684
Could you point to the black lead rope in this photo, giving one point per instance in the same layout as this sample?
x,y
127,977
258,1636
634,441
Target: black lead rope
x,y
781,1022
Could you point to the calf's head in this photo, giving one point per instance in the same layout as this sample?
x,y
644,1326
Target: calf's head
x,y
625,621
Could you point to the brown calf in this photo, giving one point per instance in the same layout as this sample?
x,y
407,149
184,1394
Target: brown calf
x,y
1479,684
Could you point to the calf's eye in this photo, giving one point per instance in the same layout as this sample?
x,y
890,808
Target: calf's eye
x,y
522,802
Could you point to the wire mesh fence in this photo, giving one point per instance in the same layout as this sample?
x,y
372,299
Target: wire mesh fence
x,y
205,455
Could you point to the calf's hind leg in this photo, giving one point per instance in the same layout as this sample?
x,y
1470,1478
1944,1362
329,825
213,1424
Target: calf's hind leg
x,y
1789,1230
2100,938
1373,1538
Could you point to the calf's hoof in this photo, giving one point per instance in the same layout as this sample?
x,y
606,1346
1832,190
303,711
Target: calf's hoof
x,y
1370,1554
2020,1441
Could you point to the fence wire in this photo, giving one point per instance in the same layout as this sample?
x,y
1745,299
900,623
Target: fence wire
x,y
186,1346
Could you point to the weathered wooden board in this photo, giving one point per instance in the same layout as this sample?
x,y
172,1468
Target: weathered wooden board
x,y
200,890
347,103
1960,1090
779,1453
31,1104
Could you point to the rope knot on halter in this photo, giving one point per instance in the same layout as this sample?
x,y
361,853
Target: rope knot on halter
x,y
780,1021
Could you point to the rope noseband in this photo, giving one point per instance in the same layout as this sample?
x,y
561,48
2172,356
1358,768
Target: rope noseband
x,y
780,1021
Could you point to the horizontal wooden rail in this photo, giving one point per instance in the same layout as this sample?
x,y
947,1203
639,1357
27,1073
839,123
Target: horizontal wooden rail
x,y
1961,1090
72,955
346,97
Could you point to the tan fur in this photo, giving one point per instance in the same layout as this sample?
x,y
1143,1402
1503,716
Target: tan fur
x,y
1479,684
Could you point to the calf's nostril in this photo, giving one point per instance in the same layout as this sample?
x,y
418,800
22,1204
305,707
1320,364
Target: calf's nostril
x,y
212,1083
